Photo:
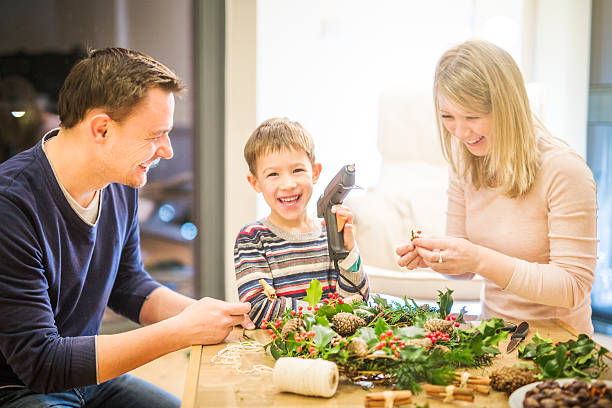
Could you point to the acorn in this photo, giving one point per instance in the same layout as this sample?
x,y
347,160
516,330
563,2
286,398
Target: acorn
x,y
358,347
345,324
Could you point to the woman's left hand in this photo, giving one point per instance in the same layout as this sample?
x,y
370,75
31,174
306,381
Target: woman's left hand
x,y
453,256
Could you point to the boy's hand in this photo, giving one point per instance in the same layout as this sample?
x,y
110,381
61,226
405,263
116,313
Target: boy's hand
x,y
349,229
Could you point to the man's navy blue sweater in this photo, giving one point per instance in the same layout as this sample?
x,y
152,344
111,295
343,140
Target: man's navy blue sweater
x,y
58,274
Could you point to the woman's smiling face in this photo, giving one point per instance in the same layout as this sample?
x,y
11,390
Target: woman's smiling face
x,y
472,129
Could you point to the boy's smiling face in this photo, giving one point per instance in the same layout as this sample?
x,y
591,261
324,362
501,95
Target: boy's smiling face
x,y
286,179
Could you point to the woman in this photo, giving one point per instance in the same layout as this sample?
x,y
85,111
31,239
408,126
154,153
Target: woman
x,y
521,203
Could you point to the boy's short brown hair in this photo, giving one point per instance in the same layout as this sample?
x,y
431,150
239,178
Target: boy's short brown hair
x,y
274,135
114,79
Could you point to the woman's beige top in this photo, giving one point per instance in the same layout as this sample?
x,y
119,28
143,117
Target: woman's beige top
x,y
551,232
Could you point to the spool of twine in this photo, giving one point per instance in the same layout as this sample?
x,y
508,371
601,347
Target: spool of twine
x,y
306,376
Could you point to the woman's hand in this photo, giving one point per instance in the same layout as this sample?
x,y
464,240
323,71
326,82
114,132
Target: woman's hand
x,y
453,256
409,257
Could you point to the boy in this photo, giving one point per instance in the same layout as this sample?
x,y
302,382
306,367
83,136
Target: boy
x,y
288,249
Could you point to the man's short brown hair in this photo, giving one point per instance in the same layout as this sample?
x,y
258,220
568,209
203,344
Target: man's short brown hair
x,y
274,135
114,79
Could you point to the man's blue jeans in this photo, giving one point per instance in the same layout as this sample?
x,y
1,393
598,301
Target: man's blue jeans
x,y
124,391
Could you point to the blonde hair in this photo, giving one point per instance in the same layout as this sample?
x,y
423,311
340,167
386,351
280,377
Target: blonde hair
x,y
483,78
274,135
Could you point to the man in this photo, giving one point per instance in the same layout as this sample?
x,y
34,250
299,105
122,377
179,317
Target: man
x,y
69,246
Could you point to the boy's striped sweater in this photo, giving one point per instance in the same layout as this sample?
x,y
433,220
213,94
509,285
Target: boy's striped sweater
x,y
288,262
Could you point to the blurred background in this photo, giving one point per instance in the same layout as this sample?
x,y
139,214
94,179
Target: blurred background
x,y
324,63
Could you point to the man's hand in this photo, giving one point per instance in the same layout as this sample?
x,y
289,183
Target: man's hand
x,y
209,321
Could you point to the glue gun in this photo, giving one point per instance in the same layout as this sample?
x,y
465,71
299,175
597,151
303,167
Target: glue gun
x,y
334,193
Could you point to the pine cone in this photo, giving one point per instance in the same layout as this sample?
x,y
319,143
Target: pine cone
x,y
441,325
424,342
508,379
291,326
346,324
358,347
442,348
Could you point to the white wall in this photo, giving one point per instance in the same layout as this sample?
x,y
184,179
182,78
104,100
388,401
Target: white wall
x,y
240,121
561,62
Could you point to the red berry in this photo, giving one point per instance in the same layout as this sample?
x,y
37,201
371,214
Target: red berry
x,y
313,352
270,331
457,325
325,301
389,333
274,337
264,326
379,346
419,232
395,338
393,347
299,349
382,336
264,320
300,307
568,352
397,354
309,307
293,313
402,344
384,343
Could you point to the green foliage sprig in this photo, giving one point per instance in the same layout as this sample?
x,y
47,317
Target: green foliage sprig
x,y
580,358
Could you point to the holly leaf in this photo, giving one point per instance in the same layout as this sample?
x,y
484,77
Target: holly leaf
x,y
314,293
343,307
445,303
380,301
380,327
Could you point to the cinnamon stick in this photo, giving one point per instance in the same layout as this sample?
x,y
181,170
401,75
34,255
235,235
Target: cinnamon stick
x,y
442,389
478,388
475,380
379,399
468,398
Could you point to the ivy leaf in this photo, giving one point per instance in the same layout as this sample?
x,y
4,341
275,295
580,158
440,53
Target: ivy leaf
x,y
313,293
368,335
411,332
323,335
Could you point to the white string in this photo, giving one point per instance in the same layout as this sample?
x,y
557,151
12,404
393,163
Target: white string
x,y
306,376
389,398
449,393
230,356
464,379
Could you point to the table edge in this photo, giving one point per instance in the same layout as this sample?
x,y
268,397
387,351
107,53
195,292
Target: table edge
x,y
193,377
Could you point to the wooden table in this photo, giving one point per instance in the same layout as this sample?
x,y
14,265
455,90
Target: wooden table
x,y
213,385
